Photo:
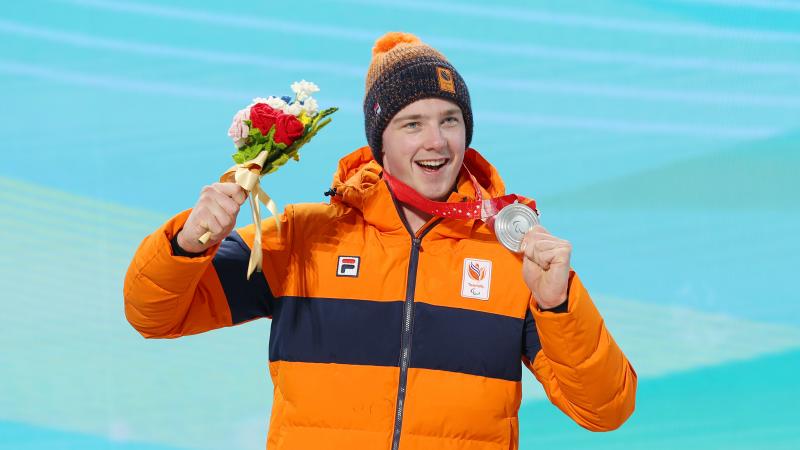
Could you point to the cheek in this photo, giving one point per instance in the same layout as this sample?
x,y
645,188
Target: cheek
x,y
458,144
456,138
396,160
460,136
398,153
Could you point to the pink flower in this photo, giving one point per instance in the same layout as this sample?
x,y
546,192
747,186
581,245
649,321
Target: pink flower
x,y
239,130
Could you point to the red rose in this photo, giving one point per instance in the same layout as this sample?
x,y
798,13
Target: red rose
x,y
263,117
288,129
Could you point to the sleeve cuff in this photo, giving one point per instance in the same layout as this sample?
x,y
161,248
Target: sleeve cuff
x,y
562,308
178,251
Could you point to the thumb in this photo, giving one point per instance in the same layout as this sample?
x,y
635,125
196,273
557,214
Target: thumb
x,y
531,275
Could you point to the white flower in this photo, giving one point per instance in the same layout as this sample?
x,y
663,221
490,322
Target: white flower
x,y
303,89
294,109
273,102
310,107
239,130
276,103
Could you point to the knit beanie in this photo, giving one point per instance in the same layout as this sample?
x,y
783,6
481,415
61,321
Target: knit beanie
x,y
403,70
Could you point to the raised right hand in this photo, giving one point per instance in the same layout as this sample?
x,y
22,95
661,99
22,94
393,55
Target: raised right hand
x,y
215,211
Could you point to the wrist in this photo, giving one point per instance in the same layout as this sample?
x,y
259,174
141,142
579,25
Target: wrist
x,y
558,308
181,248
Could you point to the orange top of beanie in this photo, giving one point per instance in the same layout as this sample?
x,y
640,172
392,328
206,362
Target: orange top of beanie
x,y
393,48
390,40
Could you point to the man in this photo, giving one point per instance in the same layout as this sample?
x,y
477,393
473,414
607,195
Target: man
x,y
392,328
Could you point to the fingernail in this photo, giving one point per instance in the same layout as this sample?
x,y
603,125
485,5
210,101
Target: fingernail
x,y
522,246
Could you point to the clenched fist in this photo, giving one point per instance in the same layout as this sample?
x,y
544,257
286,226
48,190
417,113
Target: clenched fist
x,y
545,266
215,211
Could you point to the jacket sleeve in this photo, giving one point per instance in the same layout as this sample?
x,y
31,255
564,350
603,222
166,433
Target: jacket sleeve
x,y
168,296
583,371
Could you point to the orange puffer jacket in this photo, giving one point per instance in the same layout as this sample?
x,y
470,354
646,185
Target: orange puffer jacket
x,y
381,339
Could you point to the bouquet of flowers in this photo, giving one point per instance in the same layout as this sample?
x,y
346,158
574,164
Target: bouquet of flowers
x,y
268,133
278,126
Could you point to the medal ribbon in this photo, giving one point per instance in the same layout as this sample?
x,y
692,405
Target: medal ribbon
x,y
480,209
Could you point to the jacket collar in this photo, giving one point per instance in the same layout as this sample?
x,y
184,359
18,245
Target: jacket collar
x,y
359,184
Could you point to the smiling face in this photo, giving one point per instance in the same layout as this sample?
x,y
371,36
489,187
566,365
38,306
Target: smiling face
x,y
423,146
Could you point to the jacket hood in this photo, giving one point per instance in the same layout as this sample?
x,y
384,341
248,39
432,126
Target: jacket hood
x,y
358,184
358,173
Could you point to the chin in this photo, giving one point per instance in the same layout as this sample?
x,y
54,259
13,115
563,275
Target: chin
x,y
437,190
436,194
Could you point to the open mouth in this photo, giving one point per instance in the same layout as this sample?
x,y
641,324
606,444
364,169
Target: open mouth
x,y
432,165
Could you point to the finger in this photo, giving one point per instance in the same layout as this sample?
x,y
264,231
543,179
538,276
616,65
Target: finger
x,y
228,204
209,222
530,270
232,190
542,245
545,258
539,232
529,250
223,218
536,236
555,255
540,229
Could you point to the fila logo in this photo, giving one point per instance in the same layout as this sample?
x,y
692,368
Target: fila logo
x,y
348,266
476,279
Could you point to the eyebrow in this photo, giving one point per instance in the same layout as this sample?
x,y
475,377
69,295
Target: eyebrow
x,y
449,112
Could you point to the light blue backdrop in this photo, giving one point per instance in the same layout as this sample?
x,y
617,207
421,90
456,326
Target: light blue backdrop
x,y
661,137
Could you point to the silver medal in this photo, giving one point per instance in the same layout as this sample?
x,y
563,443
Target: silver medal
x,y
512,223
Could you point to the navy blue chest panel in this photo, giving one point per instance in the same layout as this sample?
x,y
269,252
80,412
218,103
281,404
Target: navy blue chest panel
x,y
366,332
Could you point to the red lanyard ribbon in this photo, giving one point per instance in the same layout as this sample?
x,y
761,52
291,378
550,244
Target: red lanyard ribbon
x,y
484,210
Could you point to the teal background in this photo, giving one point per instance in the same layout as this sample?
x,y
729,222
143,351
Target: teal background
x,y
661,137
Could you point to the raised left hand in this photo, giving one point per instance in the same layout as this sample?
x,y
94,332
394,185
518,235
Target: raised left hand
x,y
545,266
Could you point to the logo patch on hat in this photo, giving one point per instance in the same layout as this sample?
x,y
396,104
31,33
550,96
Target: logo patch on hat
x,y
446,80
376,109
348,266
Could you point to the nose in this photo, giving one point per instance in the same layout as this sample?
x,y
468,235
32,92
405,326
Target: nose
x,y
434,139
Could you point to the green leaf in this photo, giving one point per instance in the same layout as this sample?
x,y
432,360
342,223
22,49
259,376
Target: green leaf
x,y
271,134
237,158
327,112
252,151
325,122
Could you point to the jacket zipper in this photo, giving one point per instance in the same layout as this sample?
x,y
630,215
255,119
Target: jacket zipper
x,y
408,317
405,339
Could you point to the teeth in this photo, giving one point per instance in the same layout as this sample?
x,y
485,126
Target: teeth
x,y
433,163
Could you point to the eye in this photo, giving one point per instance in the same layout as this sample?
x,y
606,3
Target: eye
x,y
411,125
451,120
